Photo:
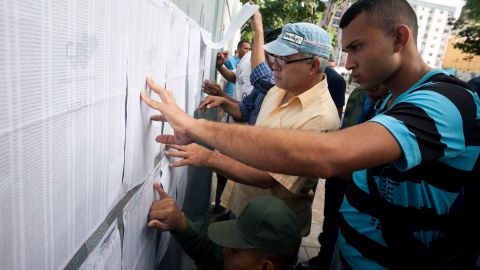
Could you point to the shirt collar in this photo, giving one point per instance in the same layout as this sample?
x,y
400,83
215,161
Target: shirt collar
x,y
308,97
312,95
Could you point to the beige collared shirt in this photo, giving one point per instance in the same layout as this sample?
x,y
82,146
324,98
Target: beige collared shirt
x,y
312,110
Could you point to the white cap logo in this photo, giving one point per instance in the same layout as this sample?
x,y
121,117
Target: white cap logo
x,y
293,38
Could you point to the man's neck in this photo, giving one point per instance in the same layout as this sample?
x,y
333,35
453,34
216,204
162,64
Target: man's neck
x,y
406,77
300,90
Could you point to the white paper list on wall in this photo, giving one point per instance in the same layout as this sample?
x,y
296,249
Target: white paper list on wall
x,y
107,255
74,134
137,237
65,87
149,54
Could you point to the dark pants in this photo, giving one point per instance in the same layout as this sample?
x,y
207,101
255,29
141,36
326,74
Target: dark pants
x,y
334,192
221,182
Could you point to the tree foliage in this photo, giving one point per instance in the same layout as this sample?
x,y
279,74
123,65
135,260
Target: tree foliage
x,y
276,13
468,28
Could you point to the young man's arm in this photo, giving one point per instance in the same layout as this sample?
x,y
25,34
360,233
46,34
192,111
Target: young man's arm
x,y
298,152
278,150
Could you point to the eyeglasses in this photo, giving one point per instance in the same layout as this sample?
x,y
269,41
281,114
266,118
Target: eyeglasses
x,y
282,62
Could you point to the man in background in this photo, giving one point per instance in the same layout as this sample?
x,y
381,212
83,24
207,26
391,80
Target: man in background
x,y
336,86
265,235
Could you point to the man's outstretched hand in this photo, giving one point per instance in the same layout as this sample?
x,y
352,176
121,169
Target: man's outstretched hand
x,y
171,113
212,88
164,214
192,154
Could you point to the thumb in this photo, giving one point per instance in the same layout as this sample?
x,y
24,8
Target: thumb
x,y
160,191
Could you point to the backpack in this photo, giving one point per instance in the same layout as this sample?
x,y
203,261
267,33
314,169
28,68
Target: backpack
x,y
459,245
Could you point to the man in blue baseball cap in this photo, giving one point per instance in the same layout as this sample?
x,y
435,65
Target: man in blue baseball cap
x,y
299,100
299,43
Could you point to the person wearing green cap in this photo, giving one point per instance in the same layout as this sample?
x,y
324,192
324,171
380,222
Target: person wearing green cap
x,y
266,235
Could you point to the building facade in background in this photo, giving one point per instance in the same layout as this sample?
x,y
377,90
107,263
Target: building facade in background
x,y
433,30
463,65
456,59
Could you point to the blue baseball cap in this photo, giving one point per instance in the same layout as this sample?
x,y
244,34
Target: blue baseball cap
x,y
301,38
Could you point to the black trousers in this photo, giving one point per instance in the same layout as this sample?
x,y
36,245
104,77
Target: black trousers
x,y
334,192
221,182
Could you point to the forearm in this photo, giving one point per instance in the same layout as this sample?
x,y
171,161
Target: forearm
x,y
258,55
239,172
298,152
199,247
232,108
227,74
229,98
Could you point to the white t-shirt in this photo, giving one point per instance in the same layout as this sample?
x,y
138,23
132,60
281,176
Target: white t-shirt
x,y
243,87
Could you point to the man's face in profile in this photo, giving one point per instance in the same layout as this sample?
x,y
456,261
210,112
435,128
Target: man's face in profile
x,y
370,49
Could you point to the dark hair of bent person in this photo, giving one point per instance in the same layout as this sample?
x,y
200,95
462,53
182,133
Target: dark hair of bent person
x,y
240,43
272,35
384,13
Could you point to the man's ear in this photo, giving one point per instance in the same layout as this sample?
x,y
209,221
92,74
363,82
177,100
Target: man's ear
x,y
267,265
402,35
316,64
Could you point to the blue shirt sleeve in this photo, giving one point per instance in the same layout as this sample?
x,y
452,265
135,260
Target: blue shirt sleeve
x,y
427,125
262,77
247,105
262,80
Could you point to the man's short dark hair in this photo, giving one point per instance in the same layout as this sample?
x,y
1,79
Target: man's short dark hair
x,y
240,43
385,13
272,35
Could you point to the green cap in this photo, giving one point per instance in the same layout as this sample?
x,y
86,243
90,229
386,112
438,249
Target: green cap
x,y
266,224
